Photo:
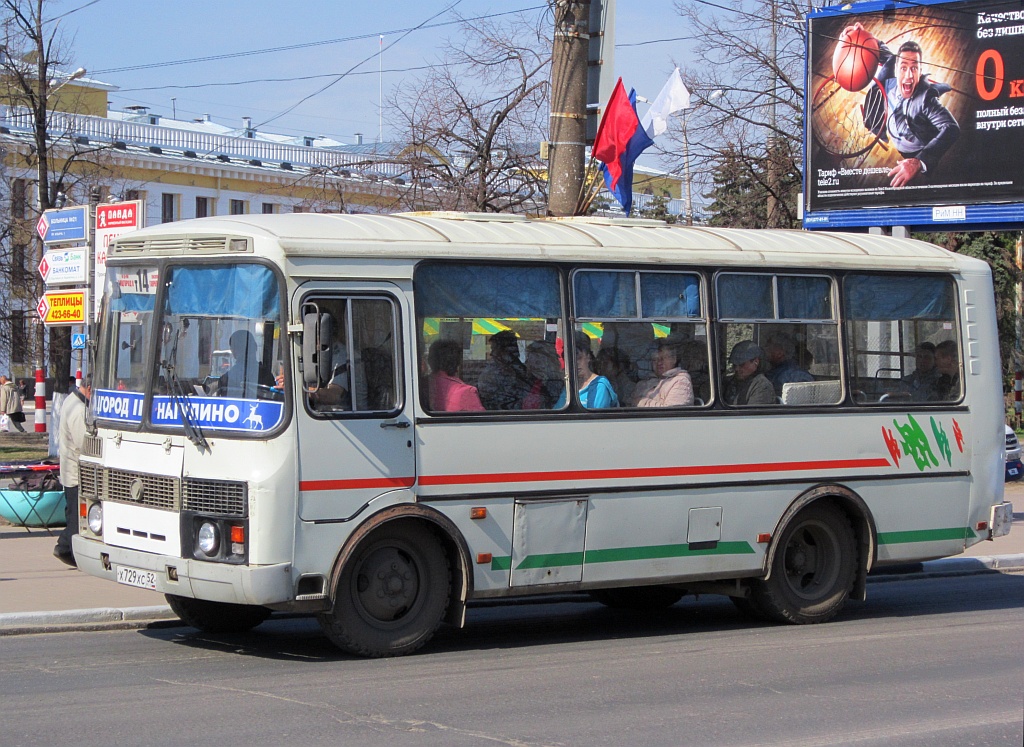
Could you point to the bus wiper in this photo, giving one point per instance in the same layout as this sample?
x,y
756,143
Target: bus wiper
x,y
181,400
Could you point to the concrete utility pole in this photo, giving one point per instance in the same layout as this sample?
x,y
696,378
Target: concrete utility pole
x,y
568,106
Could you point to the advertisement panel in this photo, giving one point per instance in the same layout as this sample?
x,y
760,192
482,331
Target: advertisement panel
x,y
112,220
915,106
61,308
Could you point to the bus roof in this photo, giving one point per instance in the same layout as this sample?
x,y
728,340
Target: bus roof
x,y
509,237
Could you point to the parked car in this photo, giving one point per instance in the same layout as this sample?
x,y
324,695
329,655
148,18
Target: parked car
x,y
1014,467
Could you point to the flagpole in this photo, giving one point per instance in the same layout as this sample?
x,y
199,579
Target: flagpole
x,y
380,90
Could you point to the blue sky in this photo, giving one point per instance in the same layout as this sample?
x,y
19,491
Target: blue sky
x,y
106,35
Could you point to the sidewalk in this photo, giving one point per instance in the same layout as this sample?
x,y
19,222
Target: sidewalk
x,y
38,592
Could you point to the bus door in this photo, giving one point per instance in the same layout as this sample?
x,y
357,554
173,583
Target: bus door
x,y
355,431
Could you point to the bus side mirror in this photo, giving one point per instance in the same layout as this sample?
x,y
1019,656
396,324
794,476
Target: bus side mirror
x,y
317,334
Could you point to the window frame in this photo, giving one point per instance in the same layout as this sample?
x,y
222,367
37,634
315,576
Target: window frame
x,y
398,362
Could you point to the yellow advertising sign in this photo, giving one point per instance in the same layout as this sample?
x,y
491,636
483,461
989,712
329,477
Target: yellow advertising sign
x,y
62,307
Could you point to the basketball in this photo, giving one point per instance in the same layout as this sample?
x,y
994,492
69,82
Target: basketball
x,y
855,60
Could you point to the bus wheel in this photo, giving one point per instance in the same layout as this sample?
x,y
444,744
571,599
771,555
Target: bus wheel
x,y
638,597
217,617
392,594
813,570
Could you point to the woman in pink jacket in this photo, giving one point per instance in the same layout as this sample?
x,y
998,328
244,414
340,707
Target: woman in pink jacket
x,y
449,393
671,386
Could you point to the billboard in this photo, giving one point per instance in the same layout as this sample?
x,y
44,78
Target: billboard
x,y
914,113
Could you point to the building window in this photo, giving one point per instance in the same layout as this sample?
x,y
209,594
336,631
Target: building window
x,y
298,209
134,194
19,271
168,208
18,203
19,336
204,207
237,207
268,208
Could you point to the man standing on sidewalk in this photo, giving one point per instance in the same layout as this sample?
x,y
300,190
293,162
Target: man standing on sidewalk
x,y
10,403
70,439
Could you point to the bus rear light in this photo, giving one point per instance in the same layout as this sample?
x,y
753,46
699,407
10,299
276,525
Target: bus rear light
x,y
478,512
483,557
982,526
764,538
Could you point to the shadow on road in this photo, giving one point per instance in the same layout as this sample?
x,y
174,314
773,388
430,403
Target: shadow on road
x,y
536,623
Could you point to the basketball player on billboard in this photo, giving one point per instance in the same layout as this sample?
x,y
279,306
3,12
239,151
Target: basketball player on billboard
x,y
920,127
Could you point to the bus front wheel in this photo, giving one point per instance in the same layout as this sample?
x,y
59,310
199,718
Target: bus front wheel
x,y
392,594
813,570
217,617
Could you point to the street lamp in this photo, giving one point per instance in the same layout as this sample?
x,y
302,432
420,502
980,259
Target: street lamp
x,y
55,86
716,94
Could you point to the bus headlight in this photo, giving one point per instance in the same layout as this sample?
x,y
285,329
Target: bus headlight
x,y
95,518
208,538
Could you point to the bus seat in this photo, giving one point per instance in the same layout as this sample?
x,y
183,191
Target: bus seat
x,y
811,392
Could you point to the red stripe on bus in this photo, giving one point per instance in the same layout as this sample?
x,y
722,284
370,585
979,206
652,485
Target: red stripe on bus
x,y
621,474
356,484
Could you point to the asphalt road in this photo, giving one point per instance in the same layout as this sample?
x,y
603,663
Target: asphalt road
x,y
929,661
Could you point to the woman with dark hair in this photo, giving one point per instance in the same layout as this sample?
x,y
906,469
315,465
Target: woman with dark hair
x,y
545,365
596,392
671,386
447,391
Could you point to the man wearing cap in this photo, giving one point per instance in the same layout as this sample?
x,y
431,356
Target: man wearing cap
x,y
921,381
748,386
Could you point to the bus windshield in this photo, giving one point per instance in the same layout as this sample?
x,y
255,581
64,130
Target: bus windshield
x,y
212,347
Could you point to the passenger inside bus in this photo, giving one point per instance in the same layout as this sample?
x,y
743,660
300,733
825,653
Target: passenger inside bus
x,y
447,391
545,366
670,386
921,381
947,363
615,365
595,392
247,372
505,382
780,350
694,359
747,385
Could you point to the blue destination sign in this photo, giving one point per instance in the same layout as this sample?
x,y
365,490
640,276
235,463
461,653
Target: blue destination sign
x,y
220,413
64,226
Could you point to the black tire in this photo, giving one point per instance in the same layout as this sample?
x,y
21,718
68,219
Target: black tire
x,y
813,571
643,598
392,593
217,617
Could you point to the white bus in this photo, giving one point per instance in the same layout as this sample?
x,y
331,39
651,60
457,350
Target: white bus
x,y
379,418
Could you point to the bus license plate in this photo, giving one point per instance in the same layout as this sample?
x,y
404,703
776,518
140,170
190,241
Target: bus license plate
x,y
135,577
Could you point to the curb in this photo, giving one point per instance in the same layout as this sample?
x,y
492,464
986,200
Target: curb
x,y
114,618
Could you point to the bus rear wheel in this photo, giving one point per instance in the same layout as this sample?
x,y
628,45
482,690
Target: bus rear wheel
x,y
392,594
217,617
813,570
644,598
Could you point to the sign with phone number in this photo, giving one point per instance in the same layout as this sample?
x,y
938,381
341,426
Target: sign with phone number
x,y
58,308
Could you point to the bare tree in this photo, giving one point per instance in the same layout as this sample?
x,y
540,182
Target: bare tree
x,y
747,106
34,65
475,121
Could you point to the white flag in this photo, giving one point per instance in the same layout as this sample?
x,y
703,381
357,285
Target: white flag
x,y
673,98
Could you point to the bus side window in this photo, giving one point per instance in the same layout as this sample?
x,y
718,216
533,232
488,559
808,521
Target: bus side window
x,y
779,339
902,339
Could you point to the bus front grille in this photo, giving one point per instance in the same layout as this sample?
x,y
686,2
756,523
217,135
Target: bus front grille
x,y
214,497
220,497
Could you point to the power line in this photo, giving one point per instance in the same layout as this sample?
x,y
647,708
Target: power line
x,y
307,45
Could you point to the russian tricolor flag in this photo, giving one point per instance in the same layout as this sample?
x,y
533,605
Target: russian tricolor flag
x,y
619,142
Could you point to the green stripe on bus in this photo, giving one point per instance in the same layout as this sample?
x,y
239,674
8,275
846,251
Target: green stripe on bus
x,y
925,535
620,554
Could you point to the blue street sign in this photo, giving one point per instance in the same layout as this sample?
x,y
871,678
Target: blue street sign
x,y
67,225
78,341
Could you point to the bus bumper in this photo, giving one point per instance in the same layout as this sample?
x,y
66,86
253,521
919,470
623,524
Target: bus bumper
x,y
1002,518
215,582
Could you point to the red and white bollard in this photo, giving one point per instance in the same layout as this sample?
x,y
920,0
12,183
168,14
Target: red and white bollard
x,y
40,400
78,377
